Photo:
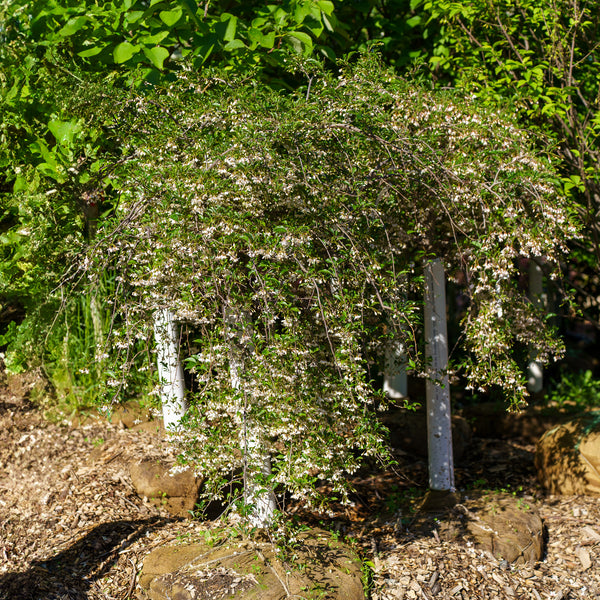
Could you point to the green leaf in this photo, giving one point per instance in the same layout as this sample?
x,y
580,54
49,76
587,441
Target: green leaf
x,y
326,6
202,53
157,38
268,40
40,148
156,55
231,28
256,37
73,26
328,52
234,45
297,39
328,23
64,131
124,51
190,5
170,17
51,171
95,50
258,22
21,184
133,16
10,237
301,12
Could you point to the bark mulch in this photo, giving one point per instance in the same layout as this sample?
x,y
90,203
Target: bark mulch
x,y
72,526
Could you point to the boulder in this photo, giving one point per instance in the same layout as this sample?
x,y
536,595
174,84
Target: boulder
x,y
174,489
408,432
509,528
30,385
252,570
131,415
567,457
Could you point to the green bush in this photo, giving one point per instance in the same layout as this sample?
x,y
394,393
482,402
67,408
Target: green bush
x,y
580,389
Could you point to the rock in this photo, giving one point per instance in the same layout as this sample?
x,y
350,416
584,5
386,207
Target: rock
x,y
129,415
176,491
408,431
251,570
30,385
510,528
567,458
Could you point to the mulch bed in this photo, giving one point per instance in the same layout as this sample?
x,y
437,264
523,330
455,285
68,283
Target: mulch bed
x,y
72,526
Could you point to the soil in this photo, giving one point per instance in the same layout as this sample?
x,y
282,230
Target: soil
x,y
72,526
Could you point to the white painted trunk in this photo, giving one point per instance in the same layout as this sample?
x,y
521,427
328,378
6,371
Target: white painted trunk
x,y
96,315
535,371
395,384
439,424
262,500
170,368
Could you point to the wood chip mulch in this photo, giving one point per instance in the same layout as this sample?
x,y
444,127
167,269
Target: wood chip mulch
x,y
72,526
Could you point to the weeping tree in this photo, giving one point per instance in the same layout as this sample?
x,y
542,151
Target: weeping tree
x,y
292,231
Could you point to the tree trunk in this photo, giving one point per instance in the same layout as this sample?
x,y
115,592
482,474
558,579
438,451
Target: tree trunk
x,y
170,369
96,316
394,374
257,463
535,372
439,424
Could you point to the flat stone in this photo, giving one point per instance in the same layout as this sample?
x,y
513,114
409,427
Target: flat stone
x,y
510,528
252,570
176,491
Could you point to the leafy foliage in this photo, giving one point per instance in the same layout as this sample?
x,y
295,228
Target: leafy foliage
x,y
580,389
542,60
46,53
290,230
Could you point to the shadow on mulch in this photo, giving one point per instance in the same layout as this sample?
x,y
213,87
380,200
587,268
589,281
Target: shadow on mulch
x,y
71,573
386,504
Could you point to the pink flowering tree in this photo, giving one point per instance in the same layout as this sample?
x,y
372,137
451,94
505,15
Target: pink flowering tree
x,y
291,233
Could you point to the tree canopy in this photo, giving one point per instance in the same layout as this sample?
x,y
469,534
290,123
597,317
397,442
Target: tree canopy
x,y
312,215
46,54
221,160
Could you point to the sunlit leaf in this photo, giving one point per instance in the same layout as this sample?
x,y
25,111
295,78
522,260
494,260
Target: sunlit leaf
x,y
170,17
124,51
73,26
299,41
94,51
64,131
156,55
234,45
